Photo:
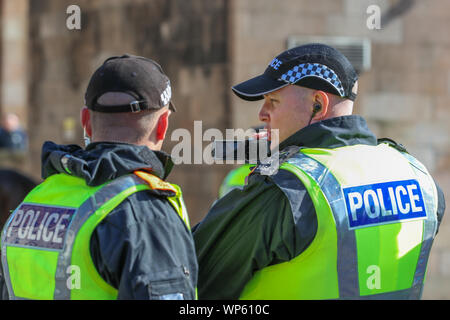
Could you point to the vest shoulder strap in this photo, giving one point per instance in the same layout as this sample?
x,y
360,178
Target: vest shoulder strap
x,y
156,183
392,144
270,165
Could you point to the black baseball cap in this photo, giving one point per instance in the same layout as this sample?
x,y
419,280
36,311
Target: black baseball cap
x,y
315,66
137,76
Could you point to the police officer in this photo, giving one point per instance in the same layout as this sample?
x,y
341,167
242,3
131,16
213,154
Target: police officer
x,y
105,224
344,216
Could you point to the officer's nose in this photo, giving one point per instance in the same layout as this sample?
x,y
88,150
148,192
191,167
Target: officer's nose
x,y
263,114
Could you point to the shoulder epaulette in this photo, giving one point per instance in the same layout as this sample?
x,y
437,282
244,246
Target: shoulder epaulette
x,y
393,144
155,183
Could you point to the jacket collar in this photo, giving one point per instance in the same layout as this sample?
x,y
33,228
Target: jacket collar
x,y
103,161
332,133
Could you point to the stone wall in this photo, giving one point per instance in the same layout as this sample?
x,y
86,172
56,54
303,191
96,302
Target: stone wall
x,y
405,95
192,51
14,23
13,71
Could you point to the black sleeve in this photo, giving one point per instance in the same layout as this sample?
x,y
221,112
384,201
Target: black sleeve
x,y
243,232
143,249
440,206
3,289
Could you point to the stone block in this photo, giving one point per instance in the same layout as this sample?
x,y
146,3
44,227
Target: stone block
x,y
14,27
445,263
436,288
53,24
14,94
376,127
434,135
202,92
448,82
443,164
356,26
14,7
290,7
424,153
431,9
359,7
396,107
414,82
367,84
253,23
307,25
426,30
434,262
15,62
405,58
198,200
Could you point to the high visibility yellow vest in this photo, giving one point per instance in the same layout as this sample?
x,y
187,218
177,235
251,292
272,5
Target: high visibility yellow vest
x,y
45,243
235,179
377,217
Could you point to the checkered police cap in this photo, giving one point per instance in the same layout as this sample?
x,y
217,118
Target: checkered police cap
x,y
140,77
315,66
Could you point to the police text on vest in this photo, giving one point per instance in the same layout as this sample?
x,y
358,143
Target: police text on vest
x,y
39,226
381,203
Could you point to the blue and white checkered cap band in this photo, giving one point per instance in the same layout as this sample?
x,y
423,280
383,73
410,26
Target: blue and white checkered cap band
x,y
313,70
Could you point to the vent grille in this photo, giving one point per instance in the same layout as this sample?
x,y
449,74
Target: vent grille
x,y
357,50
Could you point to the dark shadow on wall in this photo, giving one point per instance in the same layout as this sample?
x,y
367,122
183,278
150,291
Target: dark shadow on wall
x,y
397,10
14,186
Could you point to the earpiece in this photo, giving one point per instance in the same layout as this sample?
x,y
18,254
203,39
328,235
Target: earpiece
x,y
317,108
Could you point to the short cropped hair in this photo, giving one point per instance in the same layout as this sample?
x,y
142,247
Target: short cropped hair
x,y
125,126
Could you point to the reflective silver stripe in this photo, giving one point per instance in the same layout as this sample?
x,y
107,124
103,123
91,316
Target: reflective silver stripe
x,y
88,208
347,264
429,193
393,295
5,266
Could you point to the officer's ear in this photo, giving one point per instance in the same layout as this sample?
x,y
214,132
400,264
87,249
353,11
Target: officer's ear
x,y
162,125
85,117
320,98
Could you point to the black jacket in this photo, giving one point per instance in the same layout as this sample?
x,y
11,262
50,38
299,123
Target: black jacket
x,y
142,248
250,229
